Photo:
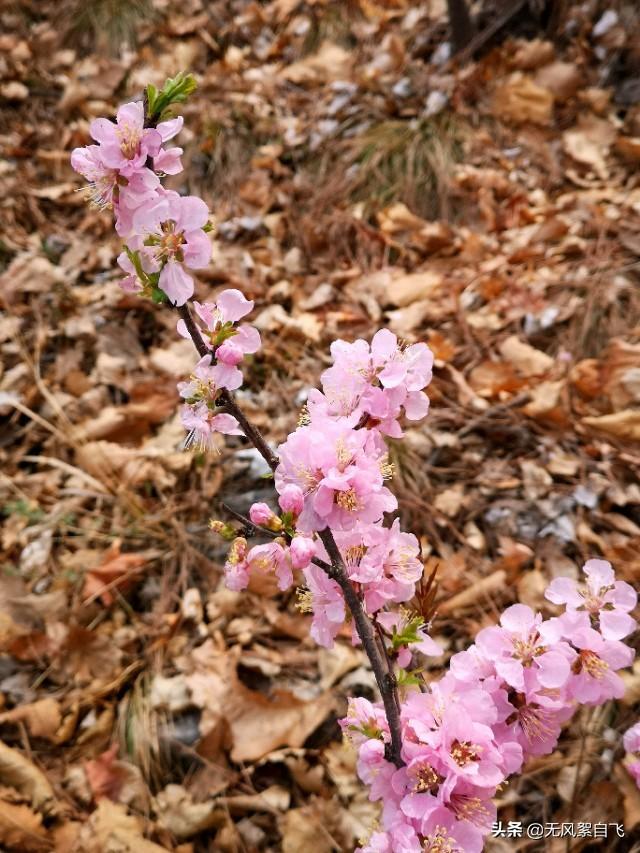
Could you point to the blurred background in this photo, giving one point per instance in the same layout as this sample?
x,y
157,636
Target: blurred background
x,y
367,165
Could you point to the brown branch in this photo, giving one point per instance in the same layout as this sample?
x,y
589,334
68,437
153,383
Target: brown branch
x,y
466,51
226,398
386,681
461,23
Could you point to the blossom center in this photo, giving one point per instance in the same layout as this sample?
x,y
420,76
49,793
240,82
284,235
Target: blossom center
x,y
591,663
469,808
348,500
464,753
129,137
440,842
427,779
527,650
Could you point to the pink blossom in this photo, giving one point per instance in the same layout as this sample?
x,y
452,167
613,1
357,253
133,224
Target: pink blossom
x,y
168,160
103,180
340,476
218,319
126,144
631,743
523,640
631,740
595,679
376,380
236,569
602,596
272,557
534,717
202,424
131,283
143,187
302,550
633,767
291,499
385,560
327,605
261,514
402,625
442,831
172,225
364,720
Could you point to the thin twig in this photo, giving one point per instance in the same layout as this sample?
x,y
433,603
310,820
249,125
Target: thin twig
x,y
386,681
226,398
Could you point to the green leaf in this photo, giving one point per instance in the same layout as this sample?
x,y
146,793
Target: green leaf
x,y
158,296
368,729
134,257
225,332
175,90
408,635
406,679
152,95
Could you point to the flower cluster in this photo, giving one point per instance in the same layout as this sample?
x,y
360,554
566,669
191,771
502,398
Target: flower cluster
x,y
373,383
631,743
336,464
165,233
165,238
218,370
502,701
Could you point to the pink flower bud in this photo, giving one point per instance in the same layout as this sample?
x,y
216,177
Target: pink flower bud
x,y
302,550
261,513
229,353
291,499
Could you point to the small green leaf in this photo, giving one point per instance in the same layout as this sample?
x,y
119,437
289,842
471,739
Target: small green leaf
x,y
225,332
406,679
175,90
408,634
152,95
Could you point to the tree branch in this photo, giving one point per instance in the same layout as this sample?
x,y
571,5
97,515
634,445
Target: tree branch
x,y
385,680
226,398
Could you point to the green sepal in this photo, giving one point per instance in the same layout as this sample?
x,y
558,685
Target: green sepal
x,y
225,332
406,679
369,730
408,635
158,296
134,257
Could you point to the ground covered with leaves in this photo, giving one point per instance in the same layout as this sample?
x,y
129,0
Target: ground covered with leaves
x,y
358,180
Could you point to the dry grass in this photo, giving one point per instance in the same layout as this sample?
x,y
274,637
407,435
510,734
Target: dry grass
x,y
105,25
407,161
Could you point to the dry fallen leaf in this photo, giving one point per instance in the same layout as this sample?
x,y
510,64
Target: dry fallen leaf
x,y
527,360
114,572
42,718
624,424
111,830
183,817
21,829
330,62
631,794
589,143
405,289
562,79
521,100
303,829
18,772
